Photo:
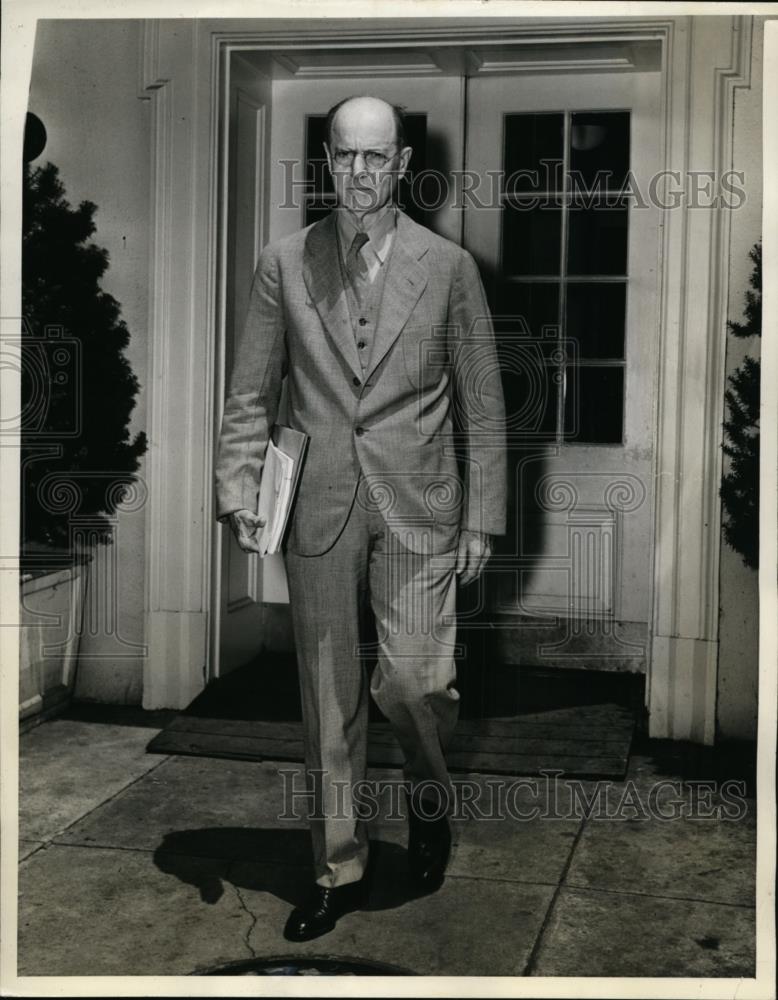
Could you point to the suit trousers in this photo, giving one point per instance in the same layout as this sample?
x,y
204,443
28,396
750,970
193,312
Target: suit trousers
x,y
412,598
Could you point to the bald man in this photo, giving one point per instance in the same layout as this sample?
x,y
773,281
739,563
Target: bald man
x,y
382,331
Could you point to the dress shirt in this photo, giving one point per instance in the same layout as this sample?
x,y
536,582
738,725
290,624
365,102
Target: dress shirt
x,y
379,227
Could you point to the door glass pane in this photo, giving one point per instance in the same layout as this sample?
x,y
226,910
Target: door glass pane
x,y
529,140
531,239
316,209
594,318
530,378
599,144
594,404
579,231
317,176
598,239
411,195
527,307
319,198
526,318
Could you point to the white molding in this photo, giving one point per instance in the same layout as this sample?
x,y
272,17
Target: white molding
x,y
258,108
177,641
362,63
703,65
209,148
221,101
503,66
565,56
159,298
180,368
415,33
148,59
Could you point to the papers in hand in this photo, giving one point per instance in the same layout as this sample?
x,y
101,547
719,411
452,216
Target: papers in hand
x,y
278,486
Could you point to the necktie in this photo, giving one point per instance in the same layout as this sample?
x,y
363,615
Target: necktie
x,y
356,266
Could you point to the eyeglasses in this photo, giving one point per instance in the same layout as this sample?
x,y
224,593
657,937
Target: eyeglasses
x,y
374,160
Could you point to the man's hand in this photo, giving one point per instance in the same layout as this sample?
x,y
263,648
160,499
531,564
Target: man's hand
x,y
472,555
244,526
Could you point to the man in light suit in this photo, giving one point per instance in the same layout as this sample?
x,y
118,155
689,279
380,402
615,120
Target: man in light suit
x,y
382,331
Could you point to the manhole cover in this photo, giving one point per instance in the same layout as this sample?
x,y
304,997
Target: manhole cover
x,y
307,966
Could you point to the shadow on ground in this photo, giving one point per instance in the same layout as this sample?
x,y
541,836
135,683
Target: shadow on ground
x,y
274,861
684,761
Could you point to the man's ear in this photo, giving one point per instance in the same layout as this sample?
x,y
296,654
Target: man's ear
x,y
405,158
327,154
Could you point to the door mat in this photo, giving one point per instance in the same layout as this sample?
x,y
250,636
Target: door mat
x,y
583,741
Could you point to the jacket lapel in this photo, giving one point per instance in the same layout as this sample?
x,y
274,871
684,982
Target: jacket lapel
x,y
406,279
323,279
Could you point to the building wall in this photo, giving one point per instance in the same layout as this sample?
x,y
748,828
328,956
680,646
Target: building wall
x,y
739,597
84,88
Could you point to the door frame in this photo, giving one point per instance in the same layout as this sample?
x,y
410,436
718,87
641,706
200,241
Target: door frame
x,y
182,74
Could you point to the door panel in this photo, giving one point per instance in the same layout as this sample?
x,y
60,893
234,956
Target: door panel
x,y
244,586
571,270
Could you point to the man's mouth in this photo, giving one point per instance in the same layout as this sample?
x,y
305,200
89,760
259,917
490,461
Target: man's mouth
x,y
364,197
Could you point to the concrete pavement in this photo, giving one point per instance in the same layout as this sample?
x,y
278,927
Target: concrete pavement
x,y
135,864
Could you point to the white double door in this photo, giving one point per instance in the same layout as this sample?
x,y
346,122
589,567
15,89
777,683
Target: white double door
x,y
572,280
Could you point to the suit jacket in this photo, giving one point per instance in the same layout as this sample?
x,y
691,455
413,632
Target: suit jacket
x,y
424,425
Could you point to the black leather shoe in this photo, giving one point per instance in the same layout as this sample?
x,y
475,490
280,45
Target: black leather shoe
x,y
321,911
429,847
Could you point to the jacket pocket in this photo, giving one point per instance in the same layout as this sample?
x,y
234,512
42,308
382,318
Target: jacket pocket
x,y
426,355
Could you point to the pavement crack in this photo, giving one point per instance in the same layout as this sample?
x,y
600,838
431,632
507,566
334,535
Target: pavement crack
x,y
103,802
531,964
251,916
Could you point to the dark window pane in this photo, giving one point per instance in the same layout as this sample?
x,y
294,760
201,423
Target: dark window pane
x,y
527,307
529,140
316,175
531,240
599,144
316,209
530,377
526,321
412,195
598,239
595,316
594,404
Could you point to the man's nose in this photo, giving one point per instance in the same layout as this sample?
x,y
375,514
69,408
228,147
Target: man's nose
x,y
358,164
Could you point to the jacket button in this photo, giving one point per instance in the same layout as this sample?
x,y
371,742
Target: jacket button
x,y
362,321
356,381
359,431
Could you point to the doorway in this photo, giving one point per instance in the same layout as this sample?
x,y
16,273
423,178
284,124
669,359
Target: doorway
x,y
542,177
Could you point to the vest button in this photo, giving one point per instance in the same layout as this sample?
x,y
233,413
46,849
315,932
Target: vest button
x,y
356,381
362,321
359,431
361,345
